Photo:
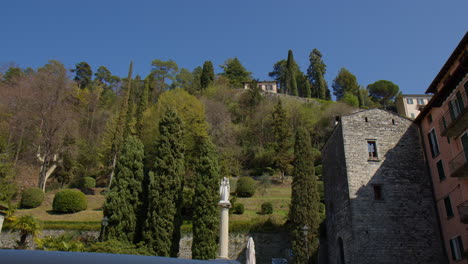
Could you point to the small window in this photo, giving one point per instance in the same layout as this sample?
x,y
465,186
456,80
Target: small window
x,y
412,115
420,101
456,245
372,149
429,118
433,143
409,100
393,121
440,170
378,192
365,118
448,207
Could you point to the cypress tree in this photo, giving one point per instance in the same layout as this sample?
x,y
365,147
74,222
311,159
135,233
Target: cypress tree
x,y
142,105
305,199
316,73
161,231
122,206
291,70
281,134
205,217
207,76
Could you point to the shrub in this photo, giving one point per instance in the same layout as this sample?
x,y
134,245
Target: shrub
x,y
245,187
267,208
69,201
32,198
238,208
88,182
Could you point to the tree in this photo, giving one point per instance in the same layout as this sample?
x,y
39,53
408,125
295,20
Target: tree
x,y
279,74
141,108
162,71
291,69
185,80
316,74
281,143
207,76
26,225
161,230
305,199
350,99
235,72
383,92
123,202
305,87
104,77
344,82
83,74
205,204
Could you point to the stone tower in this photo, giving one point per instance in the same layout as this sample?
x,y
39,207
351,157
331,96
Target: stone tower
x,y
378,196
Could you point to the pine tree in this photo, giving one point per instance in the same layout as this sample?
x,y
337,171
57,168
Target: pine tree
x,y
205,217
345,82
305,199
122,206
161,231
207,76
316,73
281,134
291,70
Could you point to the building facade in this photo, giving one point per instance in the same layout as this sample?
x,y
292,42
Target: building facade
x,y
410,105
378,195
444,130
266,86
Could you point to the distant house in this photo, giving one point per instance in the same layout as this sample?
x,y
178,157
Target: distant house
x,y
266,86
378,195
410,105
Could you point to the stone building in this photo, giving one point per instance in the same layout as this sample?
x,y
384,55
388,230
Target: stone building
x,y
378,196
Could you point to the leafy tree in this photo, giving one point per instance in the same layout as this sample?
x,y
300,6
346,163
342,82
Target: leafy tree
x,y
365,101
7,186
207,76
305,87
12,75
316,74
162,71
161,230
27,226
279,74
305,199
344,82
196,82
383,92
123,204
350,99
205,217
184,80
104,77
291,70
83,74
235,72
281,143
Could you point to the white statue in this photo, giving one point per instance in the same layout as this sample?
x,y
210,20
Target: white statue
x,y
224,190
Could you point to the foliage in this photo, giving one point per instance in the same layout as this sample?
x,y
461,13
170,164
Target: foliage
x,y
88,182
188,199
8,187
291,69
281,134
161,230
238,208
32,198
64,242
345,82
316,74
162,71
205,216
123,205
26,225
267,208
383,92
115,246
83,74
245,187
350,99
207,76
304,209
69,201
279,74
265,183
235,72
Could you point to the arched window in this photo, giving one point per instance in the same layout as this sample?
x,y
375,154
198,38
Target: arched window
x,y
340,245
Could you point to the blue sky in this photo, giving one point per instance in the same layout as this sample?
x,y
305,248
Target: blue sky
x,y
404,41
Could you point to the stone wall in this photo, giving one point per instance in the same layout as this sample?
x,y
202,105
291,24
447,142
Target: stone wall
x,y
399,228
267,245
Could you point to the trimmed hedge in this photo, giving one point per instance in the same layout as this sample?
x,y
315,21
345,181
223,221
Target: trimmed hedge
x,y
69,201
238,208
245,187
88,182
267,208
32,198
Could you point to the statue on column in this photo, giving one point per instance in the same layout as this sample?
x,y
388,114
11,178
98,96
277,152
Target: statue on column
x,y
224,190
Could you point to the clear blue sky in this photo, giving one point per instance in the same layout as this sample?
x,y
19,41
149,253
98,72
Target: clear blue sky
x,y
404,41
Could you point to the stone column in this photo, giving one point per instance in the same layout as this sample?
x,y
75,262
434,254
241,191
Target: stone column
x,y
224,230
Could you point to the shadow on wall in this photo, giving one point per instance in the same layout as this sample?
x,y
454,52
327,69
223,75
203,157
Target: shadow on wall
x,y
267,246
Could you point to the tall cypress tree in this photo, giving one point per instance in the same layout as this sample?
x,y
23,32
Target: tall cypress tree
x,y
161,231
316,73
281,134
205,204
291,71
305,199
142,105
122,206
207,76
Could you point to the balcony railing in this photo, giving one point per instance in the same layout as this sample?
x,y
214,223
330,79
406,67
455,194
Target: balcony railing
x,y
455,120
459,165
463,212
